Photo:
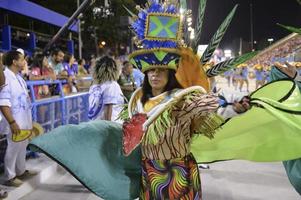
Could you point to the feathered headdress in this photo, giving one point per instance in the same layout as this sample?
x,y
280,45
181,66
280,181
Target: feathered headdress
x,y
161,35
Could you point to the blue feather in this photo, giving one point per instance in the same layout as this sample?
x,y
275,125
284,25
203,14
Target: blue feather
x,y
172,9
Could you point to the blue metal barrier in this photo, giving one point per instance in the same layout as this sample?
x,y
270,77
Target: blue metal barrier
x,y
56,110
60,109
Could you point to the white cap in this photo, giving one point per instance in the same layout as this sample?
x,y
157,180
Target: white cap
x,y
21,51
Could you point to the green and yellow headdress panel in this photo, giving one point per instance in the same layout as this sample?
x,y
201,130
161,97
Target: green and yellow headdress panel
x,y
158,28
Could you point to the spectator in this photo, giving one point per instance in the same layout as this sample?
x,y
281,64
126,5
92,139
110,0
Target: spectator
x,y
138,76
81,68
55,61
70,68
105,95
82,84
40,70
126,80
25,71
16,108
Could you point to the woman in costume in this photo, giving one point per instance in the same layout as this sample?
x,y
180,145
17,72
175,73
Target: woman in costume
x,y
171,123
169,170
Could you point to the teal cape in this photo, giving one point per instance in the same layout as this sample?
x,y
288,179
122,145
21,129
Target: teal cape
x,y
92,152
292,167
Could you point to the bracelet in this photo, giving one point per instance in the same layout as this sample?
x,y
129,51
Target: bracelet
x,y
12,122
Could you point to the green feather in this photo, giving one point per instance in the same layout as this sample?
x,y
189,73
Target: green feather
x,y
229,64
157,129
199,24
243,58
210,125
218,36
291,29
124,114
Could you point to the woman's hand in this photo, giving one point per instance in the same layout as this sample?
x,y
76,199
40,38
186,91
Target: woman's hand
x,y
242,106
288,69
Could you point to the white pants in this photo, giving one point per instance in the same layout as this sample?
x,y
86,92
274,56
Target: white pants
x,y
14,160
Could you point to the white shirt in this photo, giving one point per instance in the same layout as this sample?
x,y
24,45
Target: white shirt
x,y
15,95
106,93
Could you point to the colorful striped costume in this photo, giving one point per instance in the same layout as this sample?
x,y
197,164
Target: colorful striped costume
x,y
169,170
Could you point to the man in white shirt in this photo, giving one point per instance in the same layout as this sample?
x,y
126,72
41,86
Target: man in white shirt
x,y
56,61
15,106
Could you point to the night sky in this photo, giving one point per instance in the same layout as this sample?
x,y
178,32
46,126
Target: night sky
x,y
266,13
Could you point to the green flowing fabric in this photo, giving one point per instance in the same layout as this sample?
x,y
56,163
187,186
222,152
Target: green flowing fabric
x,y
269,131
292,167
92,153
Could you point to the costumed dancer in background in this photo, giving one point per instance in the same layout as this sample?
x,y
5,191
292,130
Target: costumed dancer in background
x,y
244,78
154,154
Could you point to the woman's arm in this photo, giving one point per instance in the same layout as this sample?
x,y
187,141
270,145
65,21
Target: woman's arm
x,y
196,105
108,108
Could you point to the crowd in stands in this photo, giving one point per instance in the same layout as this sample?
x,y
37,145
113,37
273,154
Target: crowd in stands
x,y
259,67
280,53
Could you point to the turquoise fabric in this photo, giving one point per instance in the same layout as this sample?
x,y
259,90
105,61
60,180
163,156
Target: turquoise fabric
x,y
292,167
276,74
92,152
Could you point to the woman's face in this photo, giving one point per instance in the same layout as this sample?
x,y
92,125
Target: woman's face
x,y
157,78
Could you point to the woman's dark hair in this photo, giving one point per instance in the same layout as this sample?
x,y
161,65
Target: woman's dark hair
x,y
38,60
171,84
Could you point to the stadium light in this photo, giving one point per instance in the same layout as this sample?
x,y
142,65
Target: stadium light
x,y
228,53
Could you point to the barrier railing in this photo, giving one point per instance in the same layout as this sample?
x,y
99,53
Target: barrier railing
x,y
56,110
60,109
